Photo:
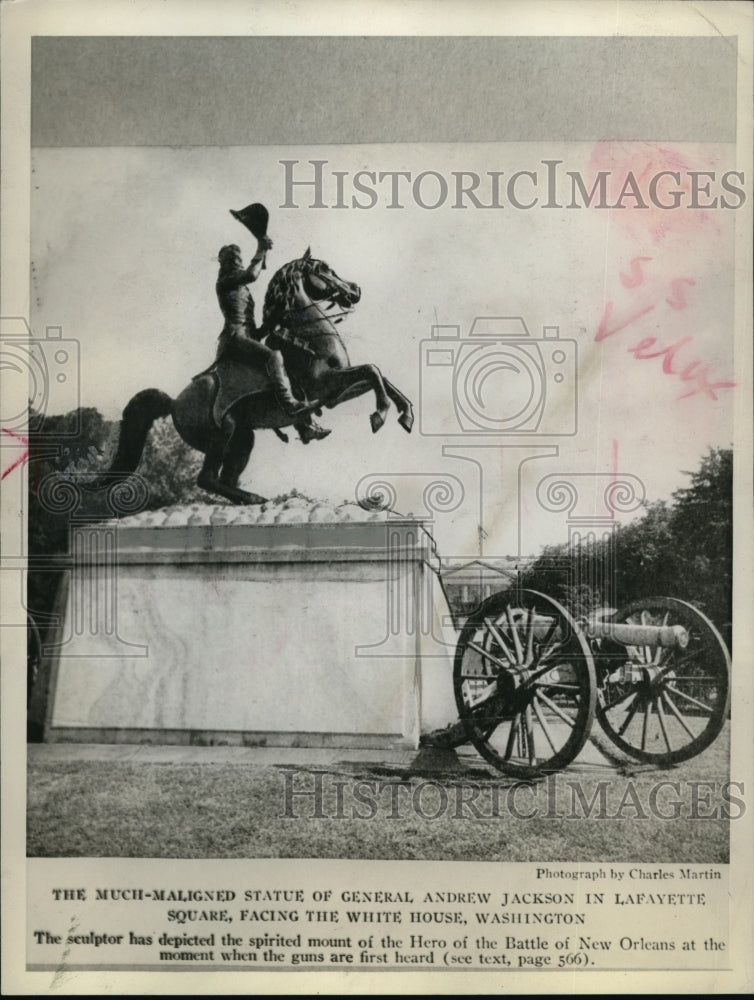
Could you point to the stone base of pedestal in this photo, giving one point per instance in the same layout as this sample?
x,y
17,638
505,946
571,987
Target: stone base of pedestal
x,y
288,625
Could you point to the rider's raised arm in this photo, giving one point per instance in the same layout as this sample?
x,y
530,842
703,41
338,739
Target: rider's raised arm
x,y
257,261
248,275
255,266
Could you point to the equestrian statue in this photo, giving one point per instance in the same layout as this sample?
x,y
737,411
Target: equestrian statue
x,y
263,378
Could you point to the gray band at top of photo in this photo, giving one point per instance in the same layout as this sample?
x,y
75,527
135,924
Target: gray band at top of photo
x,y
270,90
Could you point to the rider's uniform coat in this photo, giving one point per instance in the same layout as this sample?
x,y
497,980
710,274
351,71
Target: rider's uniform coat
x,y
239,340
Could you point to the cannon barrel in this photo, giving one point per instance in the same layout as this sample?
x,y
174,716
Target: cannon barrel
x,y
667,636
671,636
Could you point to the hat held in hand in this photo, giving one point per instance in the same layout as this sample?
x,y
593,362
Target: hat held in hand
x,y
254,217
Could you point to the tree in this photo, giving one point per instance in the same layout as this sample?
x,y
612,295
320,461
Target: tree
x,y
683,549
170,468
66,453
703,532
646,557
61,447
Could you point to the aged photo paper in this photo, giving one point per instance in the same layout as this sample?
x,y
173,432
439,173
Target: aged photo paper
x,y
376,497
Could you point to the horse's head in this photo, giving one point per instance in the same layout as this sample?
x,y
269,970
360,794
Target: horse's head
x,y
321,282
302,282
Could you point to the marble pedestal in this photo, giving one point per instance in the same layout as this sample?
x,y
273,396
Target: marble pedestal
x,y
295,624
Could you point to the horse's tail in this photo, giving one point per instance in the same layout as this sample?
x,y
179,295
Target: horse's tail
x,y
138,416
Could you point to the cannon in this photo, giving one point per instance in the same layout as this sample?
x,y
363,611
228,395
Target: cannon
x,y
530,680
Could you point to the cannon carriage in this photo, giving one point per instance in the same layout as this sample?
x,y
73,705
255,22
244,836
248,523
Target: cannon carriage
x,y
530,680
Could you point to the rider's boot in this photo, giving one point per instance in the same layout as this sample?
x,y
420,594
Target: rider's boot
x,y
310,430
288,402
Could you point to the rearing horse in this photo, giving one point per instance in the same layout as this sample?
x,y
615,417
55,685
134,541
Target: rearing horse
x,y
296,322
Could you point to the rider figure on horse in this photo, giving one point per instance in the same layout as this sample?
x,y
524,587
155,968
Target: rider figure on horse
x,y
240,338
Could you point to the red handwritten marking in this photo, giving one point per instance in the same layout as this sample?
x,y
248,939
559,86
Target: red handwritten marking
x,y
19,461
18,437
635,277
639,350
602,331
692,372
675,170
679,299
688,374
22,458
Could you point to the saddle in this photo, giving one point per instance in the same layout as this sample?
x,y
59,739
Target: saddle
x,y
234,381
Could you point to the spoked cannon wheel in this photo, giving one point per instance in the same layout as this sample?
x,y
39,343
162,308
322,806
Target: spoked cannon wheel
x,y
524,683
664,704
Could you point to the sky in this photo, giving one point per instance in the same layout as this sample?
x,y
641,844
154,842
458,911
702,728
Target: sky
x,y
124,260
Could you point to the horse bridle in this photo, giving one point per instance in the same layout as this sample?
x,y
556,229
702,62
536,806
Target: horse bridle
x,y
287,332
322,314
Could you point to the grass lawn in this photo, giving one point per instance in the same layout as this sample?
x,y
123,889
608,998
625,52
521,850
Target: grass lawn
x,y
122,809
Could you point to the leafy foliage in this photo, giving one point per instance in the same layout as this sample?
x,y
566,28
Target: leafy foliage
x,y
170,468
60,448
681,549
74,448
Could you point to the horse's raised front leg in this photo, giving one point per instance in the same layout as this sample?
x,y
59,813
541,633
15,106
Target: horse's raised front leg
x,y
341,384
403,405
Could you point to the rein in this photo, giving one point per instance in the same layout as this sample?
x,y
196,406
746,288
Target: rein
x,y
287,331
322,315
305,326
287,335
